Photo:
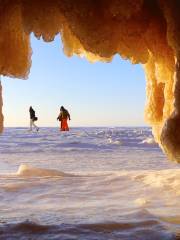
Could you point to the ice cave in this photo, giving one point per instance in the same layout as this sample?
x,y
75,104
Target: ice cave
x,y
142,31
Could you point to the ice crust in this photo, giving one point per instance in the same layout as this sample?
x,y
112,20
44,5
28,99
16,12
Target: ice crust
x,y
143,31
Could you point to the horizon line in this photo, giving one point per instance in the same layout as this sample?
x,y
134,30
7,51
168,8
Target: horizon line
x,y
81,126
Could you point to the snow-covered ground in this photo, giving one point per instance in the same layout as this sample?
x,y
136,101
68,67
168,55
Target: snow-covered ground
x,y
89,183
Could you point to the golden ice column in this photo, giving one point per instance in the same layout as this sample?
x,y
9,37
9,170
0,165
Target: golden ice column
x,y
170,135
15,51
1,104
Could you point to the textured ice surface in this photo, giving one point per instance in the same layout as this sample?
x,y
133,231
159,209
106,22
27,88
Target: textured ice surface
x,y
83,185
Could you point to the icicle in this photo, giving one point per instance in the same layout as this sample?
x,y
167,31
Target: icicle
x,y
1,104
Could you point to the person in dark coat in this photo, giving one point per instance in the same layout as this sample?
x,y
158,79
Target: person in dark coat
x,y
63,117
33,118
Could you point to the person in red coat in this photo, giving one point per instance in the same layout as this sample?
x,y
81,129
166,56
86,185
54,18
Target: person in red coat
x,y
63,117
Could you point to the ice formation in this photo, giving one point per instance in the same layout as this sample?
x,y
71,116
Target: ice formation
x,y
29,171
1,104
143,31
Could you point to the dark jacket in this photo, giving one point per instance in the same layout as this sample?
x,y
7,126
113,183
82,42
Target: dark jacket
x,y
32,113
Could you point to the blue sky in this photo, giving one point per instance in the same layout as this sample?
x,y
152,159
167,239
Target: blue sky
x,y
98,94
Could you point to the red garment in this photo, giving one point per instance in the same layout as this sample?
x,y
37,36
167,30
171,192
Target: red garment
x,y
64,125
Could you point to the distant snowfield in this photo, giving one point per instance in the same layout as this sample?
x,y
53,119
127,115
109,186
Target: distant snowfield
x,y
19,146
88,183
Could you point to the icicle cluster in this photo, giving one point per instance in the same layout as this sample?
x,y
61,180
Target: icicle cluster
x,y
143,31
1,104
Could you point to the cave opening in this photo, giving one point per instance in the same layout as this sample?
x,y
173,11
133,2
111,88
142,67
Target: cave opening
x,y
97,94
143,31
